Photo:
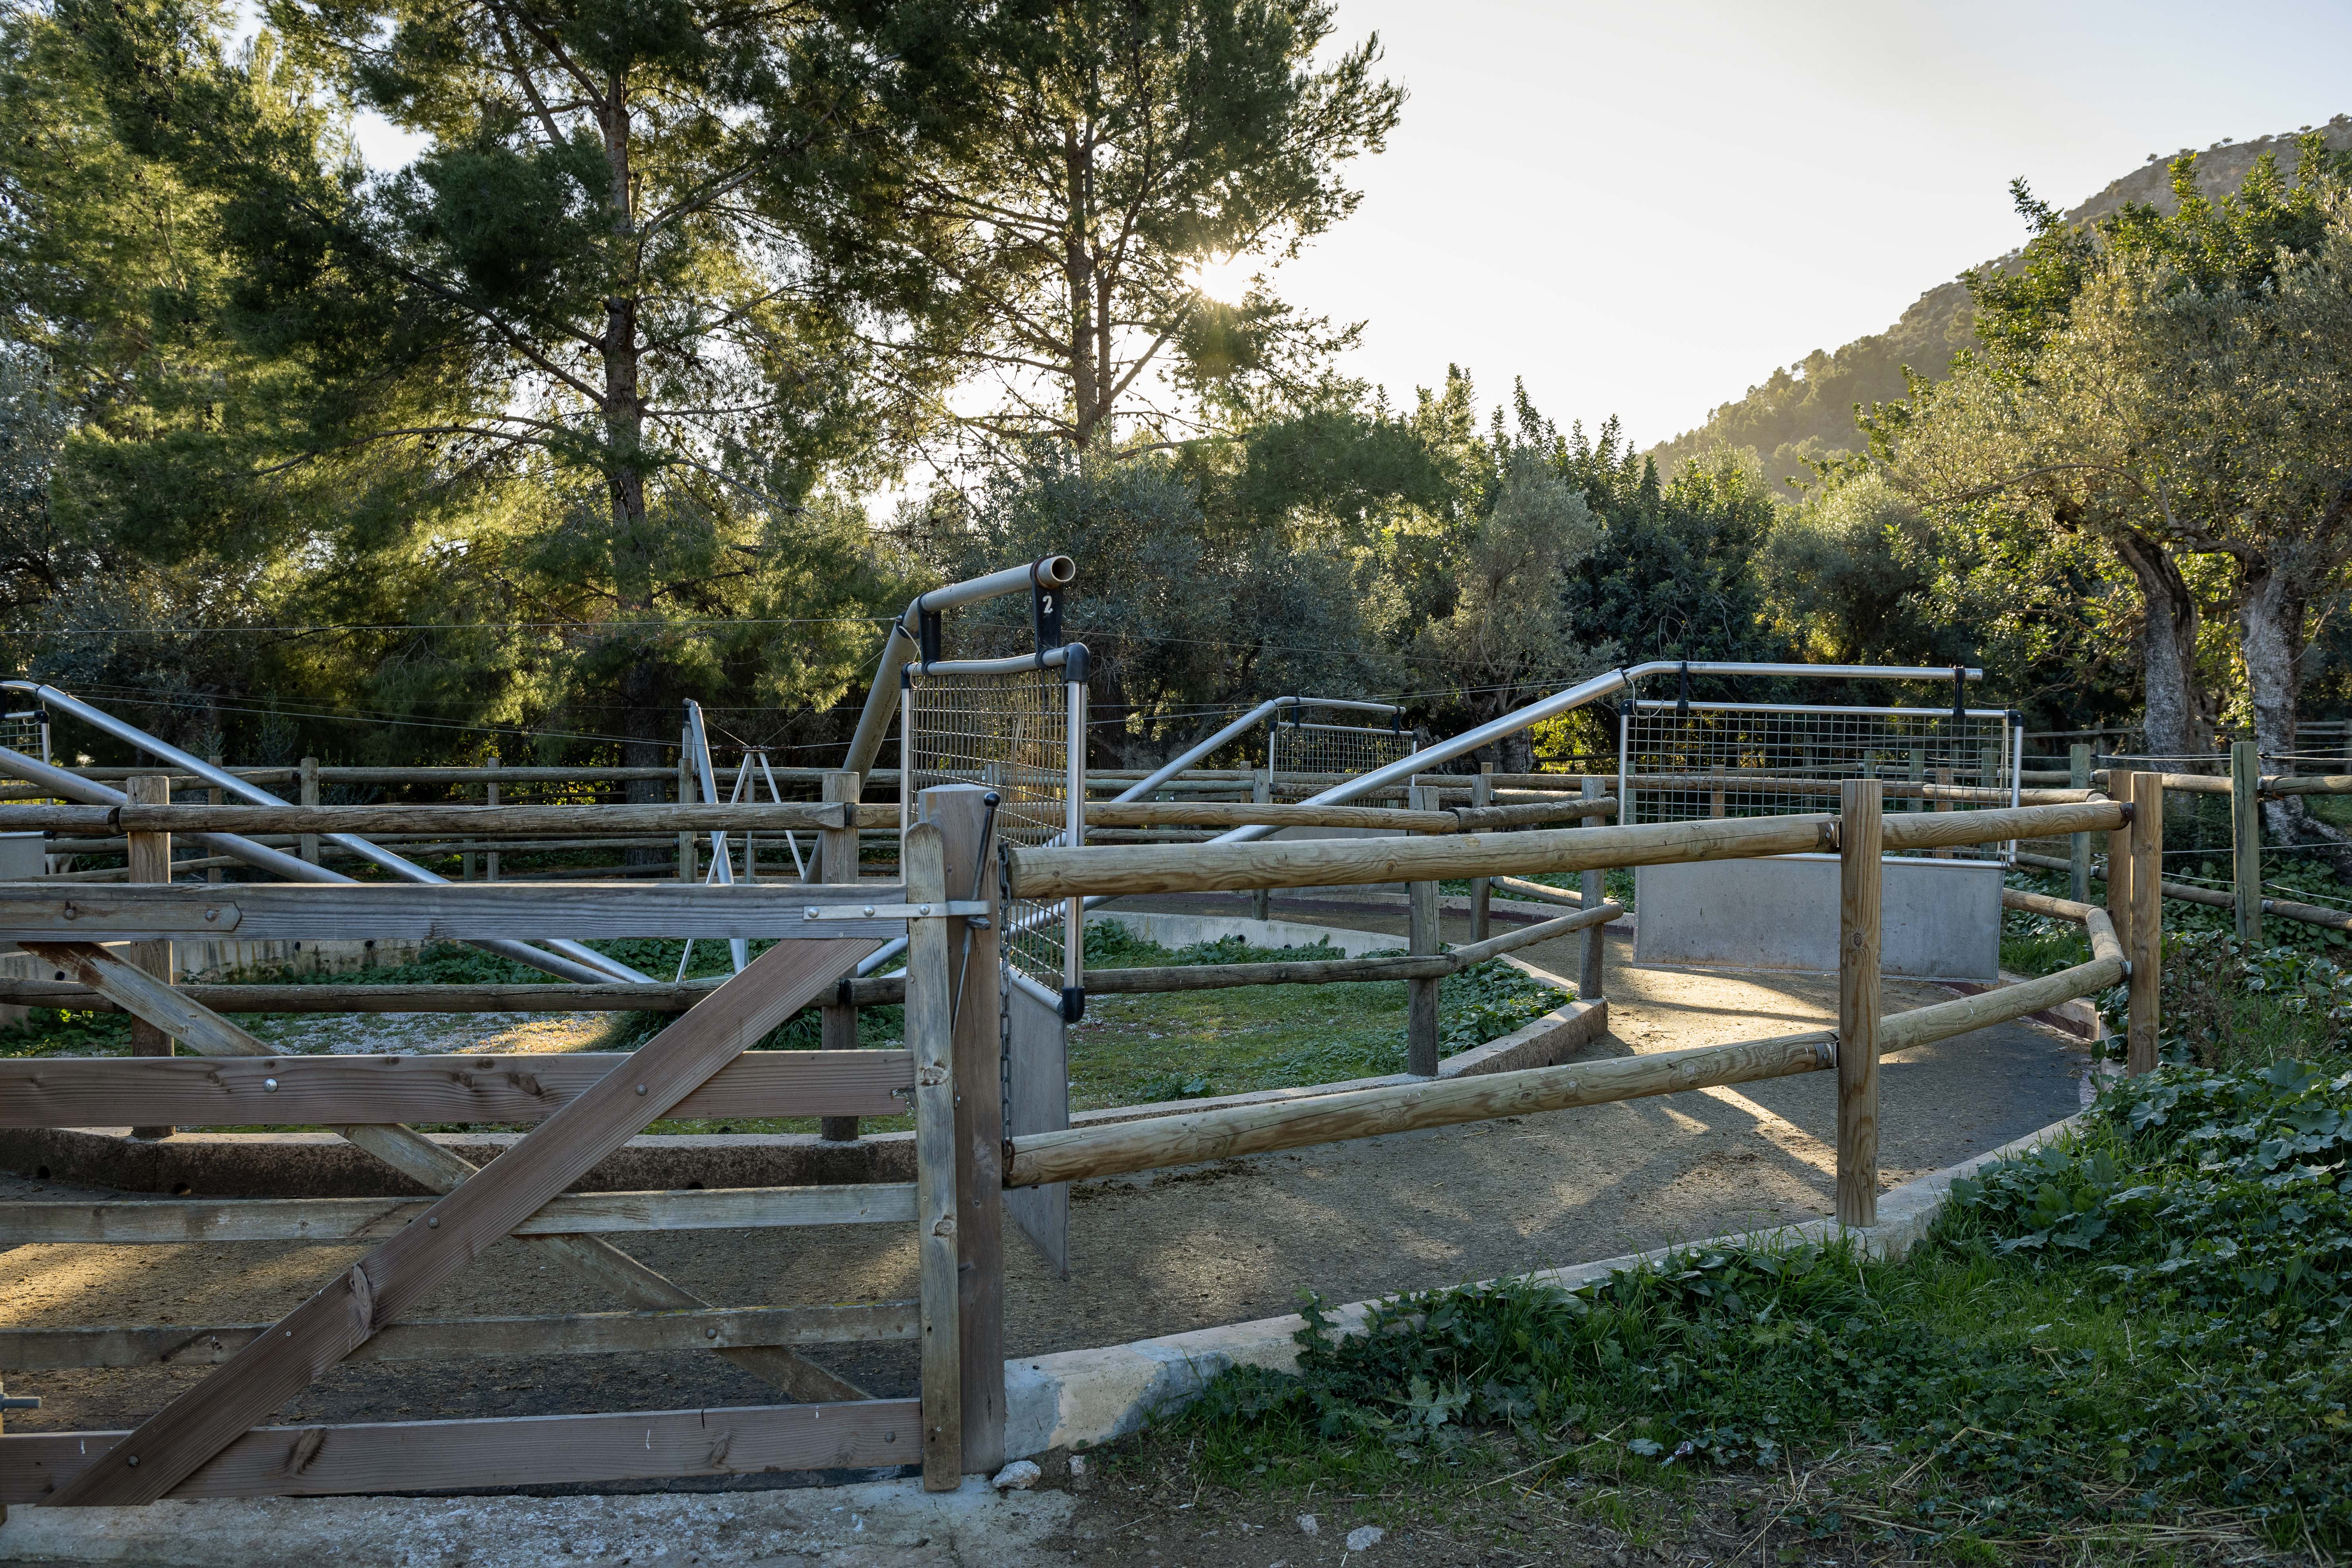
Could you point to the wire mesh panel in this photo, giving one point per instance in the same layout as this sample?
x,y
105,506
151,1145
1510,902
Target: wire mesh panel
x,y
1754,759
26,733
1009,732
1325,750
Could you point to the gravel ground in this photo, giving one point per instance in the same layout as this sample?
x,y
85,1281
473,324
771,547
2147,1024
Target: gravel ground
x,y
1162,1254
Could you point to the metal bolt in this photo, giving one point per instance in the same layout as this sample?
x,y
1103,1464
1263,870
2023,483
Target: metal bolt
x,y
212,914
809,913
433,1222
641,1089
890,1436
923,909
73,913
132,1460
269,1086
869,908
710,1333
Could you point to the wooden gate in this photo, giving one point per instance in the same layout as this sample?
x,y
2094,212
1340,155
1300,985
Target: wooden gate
x,y
210,1441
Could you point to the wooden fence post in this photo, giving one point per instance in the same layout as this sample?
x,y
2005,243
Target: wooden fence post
x,y
1482,793
2146,947
1421,995
150,861
2246,837
2078,845
1860,869
1262,793
309,780
685,789
930,1035
2119,868
836,862
977,1001
1590,985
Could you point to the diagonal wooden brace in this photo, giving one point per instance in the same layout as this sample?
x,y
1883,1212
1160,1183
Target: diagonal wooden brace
x,y
172,1444
428,1163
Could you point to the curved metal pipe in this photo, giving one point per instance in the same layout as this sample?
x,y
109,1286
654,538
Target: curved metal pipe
x,y
1235,730
602,968
882,696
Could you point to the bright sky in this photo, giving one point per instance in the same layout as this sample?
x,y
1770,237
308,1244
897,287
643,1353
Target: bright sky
x,y
1642,206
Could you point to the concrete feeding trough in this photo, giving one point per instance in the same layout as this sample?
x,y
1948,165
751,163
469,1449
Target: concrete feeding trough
x,y
1941,919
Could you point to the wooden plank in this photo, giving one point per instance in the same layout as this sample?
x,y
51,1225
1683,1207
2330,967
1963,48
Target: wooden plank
x,y
1083,1153
261,912
1859,867
287,1092
930,1036
1050,873
156,1222
2145,942
402,1271
457,1339
54,1468
427,1163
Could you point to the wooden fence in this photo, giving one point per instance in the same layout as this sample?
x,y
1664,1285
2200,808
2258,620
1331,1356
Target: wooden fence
x,y
210,1439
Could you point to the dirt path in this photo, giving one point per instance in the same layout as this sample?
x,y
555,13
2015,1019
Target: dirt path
x,y
1159,1255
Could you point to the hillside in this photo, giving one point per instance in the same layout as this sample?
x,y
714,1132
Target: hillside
x,y
1806,410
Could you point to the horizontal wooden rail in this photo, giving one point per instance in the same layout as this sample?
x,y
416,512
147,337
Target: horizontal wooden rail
x,y
505,1451
454,1339
1893,789
1529,935
173,1221
1243,814
1923,1026
1488,818
1316,862
448,910
1050,873
1519,888
512,821
2213,898
330,1090
1086,1152
330,997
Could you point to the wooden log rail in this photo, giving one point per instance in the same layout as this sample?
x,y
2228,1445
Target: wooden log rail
x,y
1241,814
488,821
2271,785
1054,873
1896,789
2213,898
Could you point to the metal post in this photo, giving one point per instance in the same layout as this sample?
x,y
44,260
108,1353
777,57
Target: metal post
x,y
2246,837
2078,874
1421,995
2146,947
1482,793
1859,867
150,861
1591,983
1262,793
311,797
836,862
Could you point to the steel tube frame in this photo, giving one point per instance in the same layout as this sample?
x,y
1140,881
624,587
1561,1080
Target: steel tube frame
x,y
1239,727
874,720
580,962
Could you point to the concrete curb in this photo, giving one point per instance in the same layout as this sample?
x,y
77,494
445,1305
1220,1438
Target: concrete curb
x,y
1078,1398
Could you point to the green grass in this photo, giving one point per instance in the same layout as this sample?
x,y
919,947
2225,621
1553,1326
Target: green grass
x,y
2141,1326
1189,1044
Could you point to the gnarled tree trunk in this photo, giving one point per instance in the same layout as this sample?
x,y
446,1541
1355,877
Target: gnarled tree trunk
x,y
2180,713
